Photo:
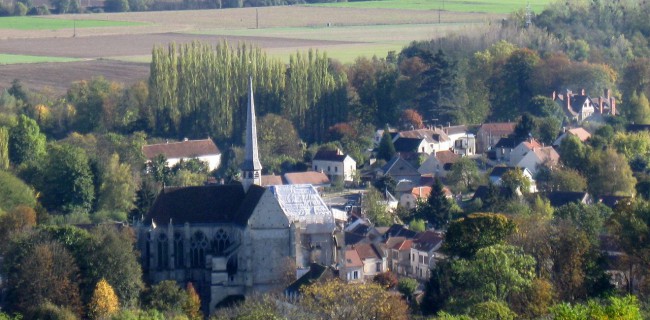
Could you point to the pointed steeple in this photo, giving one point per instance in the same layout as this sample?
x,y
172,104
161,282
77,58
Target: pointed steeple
x,y
251,167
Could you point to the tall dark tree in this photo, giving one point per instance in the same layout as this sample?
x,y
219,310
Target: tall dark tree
x,y
386,149
26,142
525,127
438,207
439,90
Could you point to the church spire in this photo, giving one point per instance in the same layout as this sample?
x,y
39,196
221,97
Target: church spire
x,y
251,168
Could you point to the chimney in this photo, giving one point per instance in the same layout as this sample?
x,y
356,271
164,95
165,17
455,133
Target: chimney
x,y
582,92
568,101
600,104
613,110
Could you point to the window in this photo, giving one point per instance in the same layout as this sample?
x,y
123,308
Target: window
x,y
413,257
163,251
378,267
179,253
220,243
328,169
198,248
336,169
421,259
355,275
315,168
395,254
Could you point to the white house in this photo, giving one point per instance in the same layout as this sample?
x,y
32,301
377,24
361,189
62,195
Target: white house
x,y
334,163
352,270
204,150
537,157
498,172
464,143
373,259
522,149
424,253
435,138
410,200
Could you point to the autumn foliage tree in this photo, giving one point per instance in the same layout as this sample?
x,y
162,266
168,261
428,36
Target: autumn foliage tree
x,y
411,119
104,301
192,304
337,300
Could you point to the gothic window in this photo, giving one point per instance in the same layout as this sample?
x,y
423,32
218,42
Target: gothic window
x,y
198,250
220,243
179,253
163,251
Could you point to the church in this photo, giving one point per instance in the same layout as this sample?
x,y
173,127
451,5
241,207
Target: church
x,y
232,240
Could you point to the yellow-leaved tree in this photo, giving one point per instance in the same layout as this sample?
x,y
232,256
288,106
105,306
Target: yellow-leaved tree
x,y
192,305
104,302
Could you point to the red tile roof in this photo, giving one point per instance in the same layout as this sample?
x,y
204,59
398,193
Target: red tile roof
x,y
367,251
581,133
352,258
404,245
182,149
499,128
271,180
421,192
447,156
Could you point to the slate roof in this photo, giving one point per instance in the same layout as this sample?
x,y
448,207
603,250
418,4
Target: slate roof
x,y
499,171
315,178
435,135
560,198
205,204
329,155
399,167
353,238
577,101
612,201
316,273
507,143
182,149
482,192
407,144
398,230
427,240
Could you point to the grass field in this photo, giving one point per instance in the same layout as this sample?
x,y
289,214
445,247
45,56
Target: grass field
x,y
41,23
14,58
489,6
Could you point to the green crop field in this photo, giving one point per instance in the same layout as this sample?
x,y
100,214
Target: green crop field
x,y
42,23
489,6
14,58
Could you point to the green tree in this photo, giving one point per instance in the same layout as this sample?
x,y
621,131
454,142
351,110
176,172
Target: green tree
x,y
489,310
375,208
116,6
167,297
609,174
466,236
614,308
277,136
638,109
117,187
386,149
113,257
4,148
495,272
560,179
66,181
407,287
514,180
573,153
464,174
438,208
26,142
524,128
417,225
14,192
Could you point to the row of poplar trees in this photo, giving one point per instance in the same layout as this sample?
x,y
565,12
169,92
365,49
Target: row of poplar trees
x,y
198,90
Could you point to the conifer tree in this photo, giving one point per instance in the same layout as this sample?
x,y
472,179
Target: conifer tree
x,y
386,148
104,301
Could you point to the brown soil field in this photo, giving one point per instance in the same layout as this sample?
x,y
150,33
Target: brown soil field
x,y
56,77
163,27
136,44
